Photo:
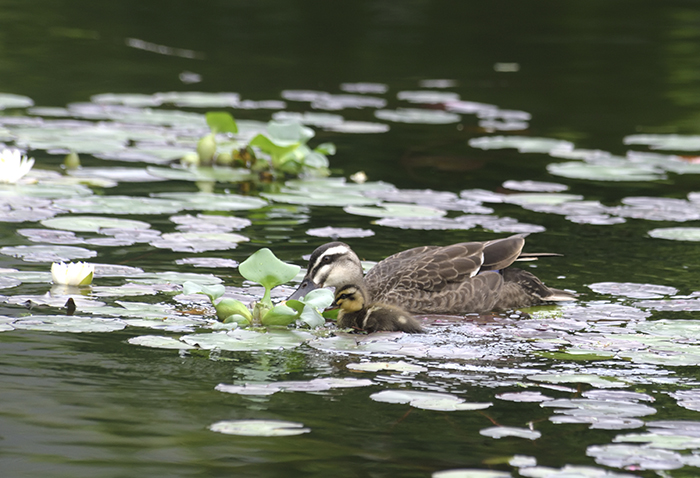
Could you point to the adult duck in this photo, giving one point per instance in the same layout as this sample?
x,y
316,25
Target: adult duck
x,y
469,277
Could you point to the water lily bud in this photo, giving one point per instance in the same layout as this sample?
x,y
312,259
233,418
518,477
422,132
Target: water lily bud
x,y
227,307
72,160
206,148
190,159
73,273
224,159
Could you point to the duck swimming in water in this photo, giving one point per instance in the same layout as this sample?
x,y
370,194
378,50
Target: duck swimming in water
x,y
469,277
357,313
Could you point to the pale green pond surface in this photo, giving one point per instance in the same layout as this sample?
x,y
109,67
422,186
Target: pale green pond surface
x,y
574,122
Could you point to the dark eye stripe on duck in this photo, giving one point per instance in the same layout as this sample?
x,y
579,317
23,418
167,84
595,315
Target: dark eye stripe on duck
x,y
321,264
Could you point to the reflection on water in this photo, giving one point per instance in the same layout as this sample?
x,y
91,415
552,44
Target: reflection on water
x,y
469,121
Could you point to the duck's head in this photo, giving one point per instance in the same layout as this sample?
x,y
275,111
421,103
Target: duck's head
x,y
330,265
350,298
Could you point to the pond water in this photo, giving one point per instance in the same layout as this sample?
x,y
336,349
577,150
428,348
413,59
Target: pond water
x,y
574,122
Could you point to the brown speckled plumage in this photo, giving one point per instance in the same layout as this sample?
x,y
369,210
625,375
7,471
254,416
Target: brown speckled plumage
x,y
457,279
357,313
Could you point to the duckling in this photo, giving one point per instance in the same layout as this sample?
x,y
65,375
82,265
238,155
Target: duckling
x,y
469,277
355,312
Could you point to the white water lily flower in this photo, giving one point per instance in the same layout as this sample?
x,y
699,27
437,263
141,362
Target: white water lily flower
x,y
76,274
14,165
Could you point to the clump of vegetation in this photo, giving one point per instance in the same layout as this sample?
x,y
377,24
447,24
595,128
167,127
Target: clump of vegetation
x,y
264,268
281,150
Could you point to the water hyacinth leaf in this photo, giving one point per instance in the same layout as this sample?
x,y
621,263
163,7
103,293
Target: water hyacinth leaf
x,y
159,342
311,317
227,307
221,122
280,315
500,432
259,428
395,210
266,269
691,234
427,400
212,291
93,223
399,366
319,298
471,473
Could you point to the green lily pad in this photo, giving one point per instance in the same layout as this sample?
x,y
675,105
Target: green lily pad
x,y
427,400
595,380
399,366
319,199
691,234
673,142
395,210
214,202
198,242
417,116
65,323
52,253
471,473
524,144
600,172
119,205
92,223
220,174
159,342
8,100
315,385
247,340
500,432
259,428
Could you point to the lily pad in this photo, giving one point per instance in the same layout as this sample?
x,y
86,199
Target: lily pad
x,y
319,199
471,473
340,232
214,202
600,172
639,457
47,253
8,100
691,234
259,428
247,340
633,290
399,366
417,116
395,210
595,380
119,205
65,323
93,223
500,432
159,342
524,144
198,241
315,385
427,400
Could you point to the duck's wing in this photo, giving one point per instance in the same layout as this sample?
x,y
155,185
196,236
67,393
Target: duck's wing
x,y
428,268
500,253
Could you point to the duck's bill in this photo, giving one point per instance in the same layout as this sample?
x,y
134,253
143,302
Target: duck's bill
x,y
306,286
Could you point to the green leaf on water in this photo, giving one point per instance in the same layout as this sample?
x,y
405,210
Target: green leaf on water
x,y
280,315
221,122
267,270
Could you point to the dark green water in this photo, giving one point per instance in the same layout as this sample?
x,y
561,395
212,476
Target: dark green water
x,y
594,72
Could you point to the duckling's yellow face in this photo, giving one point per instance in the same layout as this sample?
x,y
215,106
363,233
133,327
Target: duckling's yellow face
x,y
349,298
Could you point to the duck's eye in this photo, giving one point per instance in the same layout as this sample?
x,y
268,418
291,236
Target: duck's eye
x,y
326,259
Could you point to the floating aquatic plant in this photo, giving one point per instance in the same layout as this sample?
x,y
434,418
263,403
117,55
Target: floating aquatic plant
x,y
264,268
